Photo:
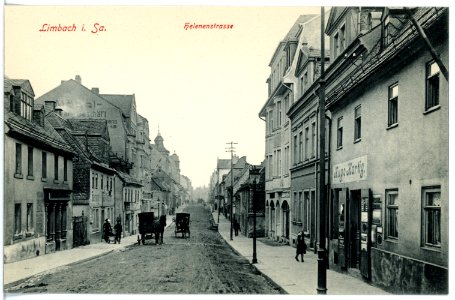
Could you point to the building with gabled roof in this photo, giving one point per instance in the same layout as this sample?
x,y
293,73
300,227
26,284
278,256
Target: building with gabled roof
x,y
38,179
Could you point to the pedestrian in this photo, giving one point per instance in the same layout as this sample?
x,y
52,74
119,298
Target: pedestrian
x,y
107,230
118,231
301,246
236,227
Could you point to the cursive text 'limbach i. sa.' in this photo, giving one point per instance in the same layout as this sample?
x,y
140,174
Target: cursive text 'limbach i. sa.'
x,y
97,27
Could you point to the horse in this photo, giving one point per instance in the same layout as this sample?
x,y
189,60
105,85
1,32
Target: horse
x,y
158,226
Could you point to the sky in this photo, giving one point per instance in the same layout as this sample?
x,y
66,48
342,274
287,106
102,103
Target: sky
x,y
201,88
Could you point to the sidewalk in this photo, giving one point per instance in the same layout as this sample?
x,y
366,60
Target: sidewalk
x,y
296,278
21,270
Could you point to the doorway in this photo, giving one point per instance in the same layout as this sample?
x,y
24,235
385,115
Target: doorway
x,y
353,229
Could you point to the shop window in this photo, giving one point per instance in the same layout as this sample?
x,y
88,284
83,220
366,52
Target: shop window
x,y
340,133
306,212
357,124
294,207
432,216
432,85
393,105
392,214
44,165
17,218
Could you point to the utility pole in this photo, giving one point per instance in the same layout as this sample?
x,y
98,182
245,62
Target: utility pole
x,y
322,266
231,149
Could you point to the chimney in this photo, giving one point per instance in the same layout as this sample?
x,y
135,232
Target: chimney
x,y
49,105
58,111
38,116
96,90
78,79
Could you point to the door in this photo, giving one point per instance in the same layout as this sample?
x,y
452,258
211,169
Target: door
x,y
365,233
79,231
354,229
285,210
342,217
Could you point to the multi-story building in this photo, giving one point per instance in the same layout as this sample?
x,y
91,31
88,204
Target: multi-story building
x,y
303,114
38,178
93,188
387,93
281,96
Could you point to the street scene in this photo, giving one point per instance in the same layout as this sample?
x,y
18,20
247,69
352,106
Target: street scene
x,y
226,150
200,264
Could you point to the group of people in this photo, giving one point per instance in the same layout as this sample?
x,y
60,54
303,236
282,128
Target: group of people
x,y
107,231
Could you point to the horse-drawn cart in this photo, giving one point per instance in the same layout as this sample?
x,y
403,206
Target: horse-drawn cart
x,y
182,224
150,227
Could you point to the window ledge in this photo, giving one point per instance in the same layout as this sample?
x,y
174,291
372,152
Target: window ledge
x,y
432,109
17,236
31,177
431,248
392,126
357,140
56,181
392,240
19,176
339,148
43,179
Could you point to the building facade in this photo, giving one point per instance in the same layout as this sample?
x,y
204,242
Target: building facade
x,y
388,98
38,178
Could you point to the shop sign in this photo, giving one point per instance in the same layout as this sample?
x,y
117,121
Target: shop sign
x,y
349,171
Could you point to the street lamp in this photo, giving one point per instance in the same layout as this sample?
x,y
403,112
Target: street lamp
x,y
253,198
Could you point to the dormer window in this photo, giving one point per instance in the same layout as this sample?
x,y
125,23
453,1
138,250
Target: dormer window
x,y
335,45
386,31
342,38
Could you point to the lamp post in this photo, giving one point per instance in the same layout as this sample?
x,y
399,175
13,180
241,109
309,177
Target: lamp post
x,y
253,198
322,265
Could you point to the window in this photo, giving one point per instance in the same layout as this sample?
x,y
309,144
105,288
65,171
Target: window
x,y
392,214
432,216
96,181
432,84
279,112
393,104
302,86
30,162
305,80
386,31
279,167
306,212
300,207
300,146
26,106
18,159
296,153
294,207
17,218
93,180
55,167
29,217
342,38
44,165
286,103
65,169
102,182
357,123
340,132
313,139
307,140
335,45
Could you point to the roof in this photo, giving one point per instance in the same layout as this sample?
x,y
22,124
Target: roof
x,y
128,180
30,130
292,34
91,125
124,102
8,84
378,57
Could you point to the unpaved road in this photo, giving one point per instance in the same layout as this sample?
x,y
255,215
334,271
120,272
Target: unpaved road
x,y
201,264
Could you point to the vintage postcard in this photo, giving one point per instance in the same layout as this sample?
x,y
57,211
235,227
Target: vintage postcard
x,y
255,148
